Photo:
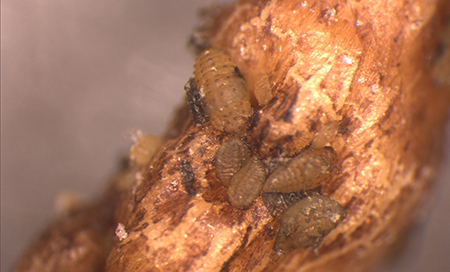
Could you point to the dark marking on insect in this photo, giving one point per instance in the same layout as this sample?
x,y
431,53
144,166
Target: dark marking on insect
x,y
238,73
246,184
226,99
196,102
277,203
304,172
230,157
307,222
187,177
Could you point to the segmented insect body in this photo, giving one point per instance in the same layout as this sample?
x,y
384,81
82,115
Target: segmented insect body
x,y
226,99
218,94
304,172
230,157
307,222
246,184
262,89
144,147
277,203
326,134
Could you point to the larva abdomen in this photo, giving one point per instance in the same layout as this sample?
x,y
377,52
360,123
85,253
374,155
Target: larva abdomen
x,y
306,171
262,89
230,157
246,184
307,222
143,148
226,98
326,134
277,203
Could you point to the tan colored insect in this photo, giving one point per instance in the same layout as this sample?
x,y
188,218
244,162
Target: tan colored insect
x,y
262,89
304,172
325,135
246,184
230,157
307,222
144,147
277,203
225,97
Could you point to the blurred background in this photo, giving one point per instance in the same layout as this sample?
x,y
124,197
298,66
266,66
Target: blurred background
x,y
78,75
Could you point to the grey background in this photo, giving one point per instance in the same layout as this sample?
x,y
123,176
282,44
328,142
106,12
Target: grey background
x,y
76,75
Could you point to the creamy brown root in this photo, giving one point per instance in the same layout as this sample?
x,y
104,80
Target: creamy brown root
x,y
329,61
365,64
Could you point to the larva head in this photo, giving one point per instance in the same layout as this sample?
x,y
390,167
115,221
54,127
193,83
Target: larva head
x,y
211,63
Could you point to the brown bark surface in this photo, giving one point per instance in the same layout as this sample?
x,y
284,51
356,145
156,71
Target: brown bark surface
x,y
81,236
365,64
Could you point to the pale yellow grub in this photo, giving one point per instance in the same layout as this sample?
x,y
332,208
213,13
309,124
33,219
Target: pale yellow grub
x,y
325,135
144,147
67,202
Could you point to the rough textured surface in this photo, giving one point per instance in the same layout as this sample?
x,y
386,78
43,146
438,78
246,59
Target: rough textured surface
x,y
72,243
329,61
262,89
306,171
80,238
225,97
247,184
389,124
230,157
307,222
388,143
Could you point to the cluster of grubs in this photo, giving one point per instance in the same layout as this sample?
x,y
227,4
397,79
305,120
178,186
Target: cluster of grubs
x,y
218,94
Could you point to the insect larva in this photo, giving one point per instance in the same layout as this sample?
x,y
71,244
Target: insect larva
x,y
307,222
144,147
262,89
306,171
246,184
325,134
230,157
226,99
277,203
